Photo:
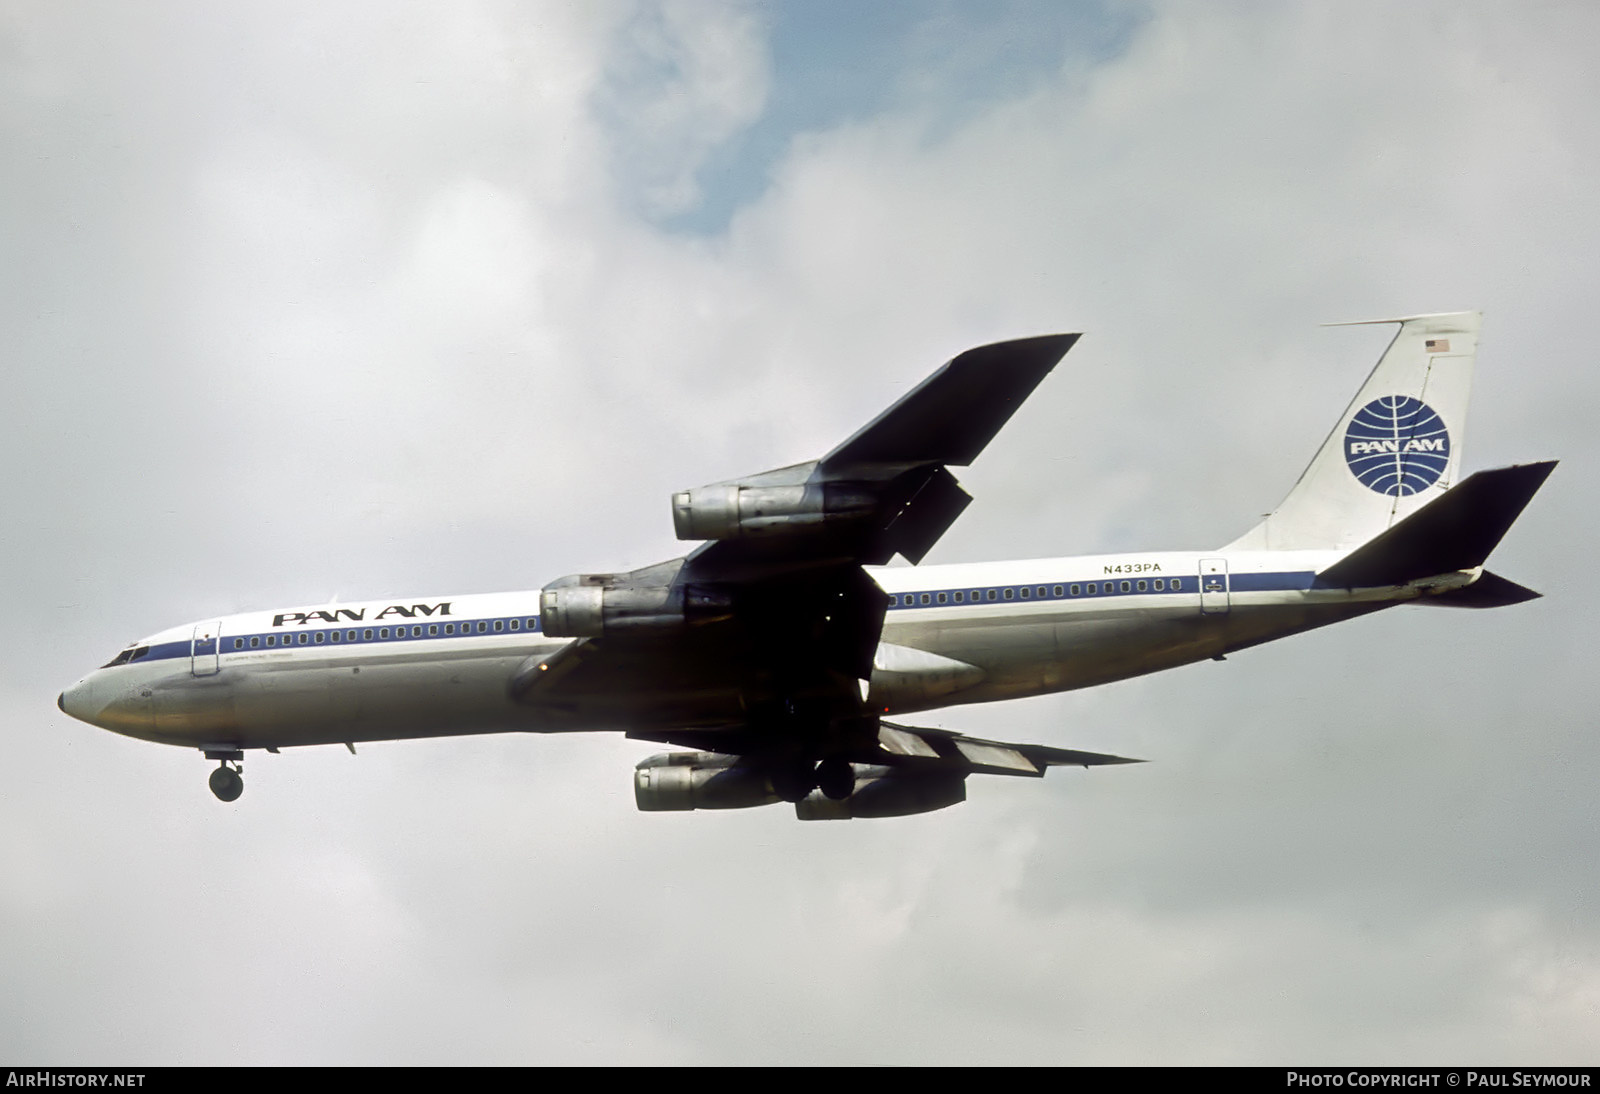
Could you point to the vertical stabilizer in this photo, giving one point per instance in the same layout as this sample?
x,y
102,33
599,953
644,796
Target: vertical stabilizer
x,y
1395,448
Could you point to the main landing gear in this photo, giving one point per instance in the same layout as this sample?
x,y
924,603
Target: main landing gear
x,y
835,777
227,781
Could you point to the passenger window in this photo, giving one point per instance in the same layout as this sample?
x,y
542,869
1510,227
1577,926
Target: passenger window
x,y
1076,590
367,634
1141,586
516,624
1026,592
990,594
959,596
336,636
383,632
499,625
449,628
1010,593
1041,592
238,644
302,638
255,643
1093,588
926,598
433,628
1159,585
416,632
1057,591
941,598
1125,586
322,636
482,626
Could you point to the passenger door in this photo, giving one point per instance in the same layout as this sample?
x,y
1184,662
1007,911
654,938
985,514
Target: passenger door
x,y
1213,586
205,648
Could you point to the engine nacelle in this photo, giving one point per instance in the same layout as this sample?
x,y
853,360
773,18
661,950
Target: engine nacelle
x,y
732,510
699,780
887,792
592,605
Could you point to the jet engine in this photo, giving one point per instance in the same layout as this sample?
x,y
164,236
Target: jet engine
x,y
699,780
710,780
887,792
733,510
592,605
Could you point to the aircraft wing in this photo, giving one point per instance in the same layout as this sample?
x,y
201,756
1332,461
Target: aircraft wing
x,y
909,746
893,771
883,492
772,621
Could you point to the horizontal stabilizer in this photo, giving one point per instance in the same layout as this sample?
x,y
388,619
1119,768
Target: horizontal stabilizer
x,y
953,414
1489,591
1454,532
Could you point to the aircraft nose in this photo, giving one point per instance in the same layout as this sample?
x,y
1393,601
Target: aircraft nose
x,y
74,701
109,704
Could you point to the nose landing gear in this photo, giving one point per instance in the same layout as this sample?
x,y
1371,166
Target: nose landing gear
x,y
227,781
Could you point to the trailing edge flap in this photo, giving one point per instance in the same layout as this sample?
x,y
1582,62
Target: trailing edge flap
x,y
914,746
1453,532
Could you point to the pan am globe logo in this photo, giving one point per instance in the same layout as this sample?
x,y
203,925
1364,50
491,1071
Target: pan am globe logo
x,y
1397,445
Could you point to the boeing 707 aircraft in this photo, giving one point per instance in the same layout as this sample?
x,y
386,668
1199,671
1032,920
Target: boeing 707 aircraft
x,y
780,653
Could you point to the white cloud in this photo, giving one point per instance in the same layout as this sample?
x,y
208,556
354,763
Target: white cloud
x,y
684,76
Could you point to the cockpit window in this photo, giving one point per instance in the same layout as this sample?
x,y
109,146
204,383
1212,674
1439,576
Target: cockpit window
x,y
132,653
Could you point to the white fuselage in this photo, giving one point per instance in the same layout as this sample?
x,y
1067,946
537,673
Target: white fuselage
x,y
965,633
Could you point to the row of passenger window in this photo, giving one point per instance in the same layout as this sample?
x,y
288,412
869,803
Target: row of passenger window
x,y
1036,592
380,634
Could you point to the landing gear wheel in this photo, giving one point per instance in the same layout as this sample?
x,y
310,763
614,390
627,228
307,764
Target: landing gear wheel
x,y
792,783
227,784
836,779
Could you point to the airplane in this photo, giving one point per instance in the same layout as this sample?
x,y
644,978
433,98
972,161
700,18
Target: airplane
x,y
780,653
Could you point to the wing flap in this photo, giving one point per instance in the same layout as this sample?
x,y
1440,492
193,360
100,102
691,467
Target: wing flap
x,y
983,757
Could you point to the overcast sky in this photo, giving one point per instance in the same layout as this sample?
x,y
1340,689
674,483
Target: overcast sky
x,y
313,299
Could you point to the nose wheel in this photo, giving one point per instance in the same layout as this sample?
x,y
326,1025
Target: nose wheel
x,y
227,781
